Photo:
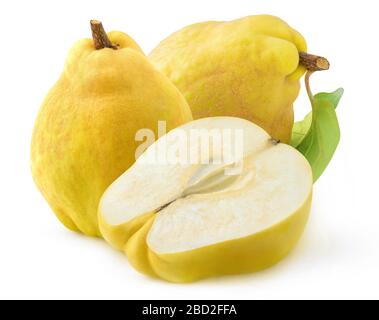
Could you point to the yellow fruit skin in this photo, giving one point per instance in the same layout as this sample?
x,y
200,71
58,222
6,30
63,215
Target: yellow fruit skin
x,y
249,254
84,136
247,68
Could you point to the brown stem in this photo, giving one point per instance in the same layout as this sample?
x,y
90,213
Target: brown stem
x,y
313,63
100,37
274,141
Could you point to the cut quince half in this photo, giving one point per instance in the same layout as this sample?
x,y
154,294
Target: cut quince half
x,y
187,220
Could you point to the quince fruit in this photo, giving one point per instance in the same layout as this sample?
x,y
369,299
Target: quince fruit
x,y
182,221
248,68
84,136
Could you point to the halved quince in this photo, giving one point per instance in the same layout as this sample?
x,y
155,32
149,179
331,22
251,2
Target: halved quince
x,y
187,220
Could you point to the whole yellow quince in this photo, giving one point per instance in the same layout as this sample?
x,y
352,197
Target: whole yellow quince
x,y
247,68
84,136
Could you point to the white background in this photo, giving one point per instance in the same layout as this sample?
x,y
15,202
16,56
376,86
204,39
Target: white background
x,y
338,256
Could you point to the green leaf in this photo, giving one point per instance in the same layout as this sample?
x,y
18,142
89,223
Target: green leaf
x,y
318,135
300,129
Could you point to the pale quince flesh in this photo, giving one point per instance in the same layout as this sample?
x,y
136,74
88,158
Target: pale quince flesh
x,y
182,222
